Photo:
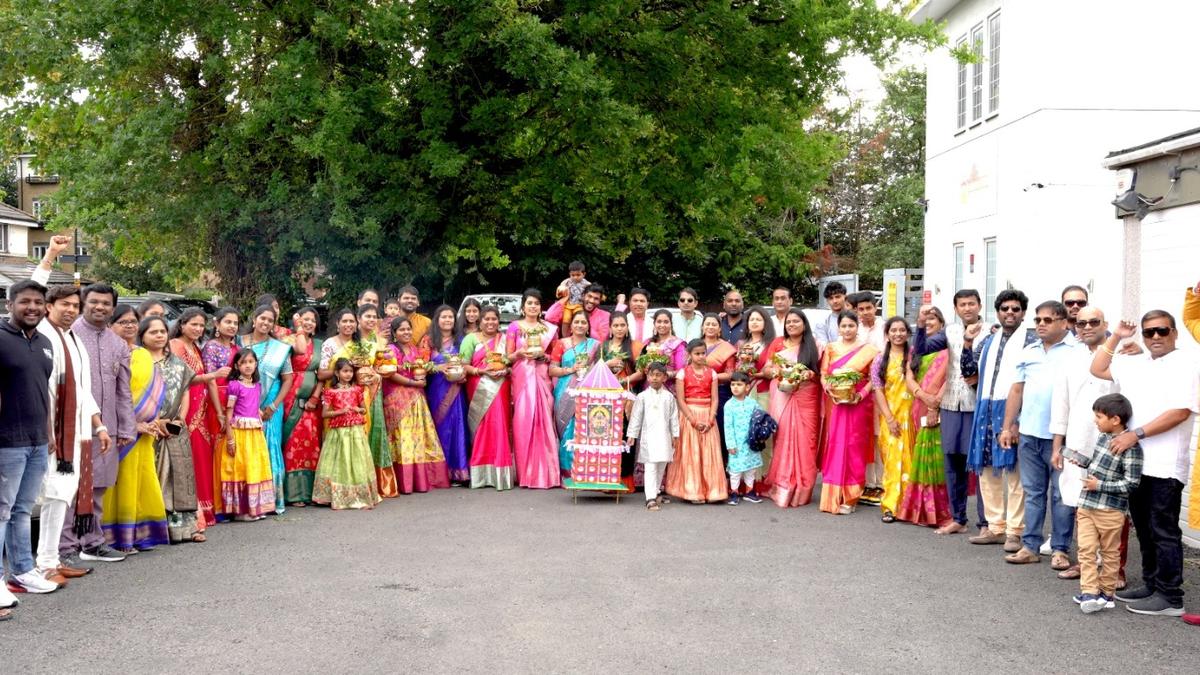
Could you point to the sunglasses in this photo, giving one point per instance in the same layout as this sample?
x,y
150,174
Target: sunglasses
x,y
687,299
1075,303
1088,323
1039,320
1010,309
1157,331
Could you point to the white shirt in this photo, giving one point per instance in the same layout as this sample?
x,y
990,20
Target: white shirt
x,y
777,323
640,331
1154,386
873,335
654,421
959,396
1075,390
55,485
688,330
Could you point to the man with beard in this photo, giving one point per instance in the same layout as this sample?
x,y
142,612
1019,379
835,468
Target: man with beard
x,y
1074,298
733,325
781,302
410,300
26,365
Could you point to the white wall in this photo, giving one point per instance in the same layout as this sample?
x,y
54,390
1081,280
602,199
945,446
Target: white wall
x,y
18,240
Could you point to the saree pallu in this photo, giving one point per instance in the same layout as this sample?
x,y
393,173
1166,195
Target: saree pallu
x,y
173,457
925,500
721,357
896,450
564,402
489,419
793,469
273,361
301,428
216,356
534,440
447,404
247,486
850,437
134,515
416,451
696,472
200,432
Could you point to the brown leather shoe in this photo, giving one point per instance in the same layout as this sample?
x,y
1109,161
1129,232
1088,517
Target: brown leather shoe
x,y
1023,557
1072,572
987,537
1059,561
73,572
54,577
1012,544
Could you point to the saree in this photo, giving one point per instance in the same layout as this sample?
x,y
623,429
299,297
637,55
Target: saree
x,y
722,358
412,437
173,456
675,350
376,424
274,360
851,436
925,500
534,439
696,472
134,515
447,403
564,402
896,451
216,356
792,475
489,415
199,430
301,428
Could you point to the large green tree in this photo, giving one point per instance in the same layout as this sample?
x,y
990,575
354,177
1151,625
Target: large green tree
x,y
459,143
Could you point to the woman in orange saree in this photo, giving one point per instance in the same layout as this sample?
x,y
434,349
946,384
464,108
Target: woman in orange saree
x,y
796,407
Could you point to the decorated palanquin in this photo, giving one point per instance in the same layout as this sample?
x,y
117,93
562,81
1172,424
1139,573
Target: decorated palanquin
x,y
599,431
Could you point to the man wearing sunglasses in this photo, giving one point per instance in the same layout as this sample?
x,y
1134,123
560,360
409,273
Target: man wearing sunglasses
x,y
1164,387
1074,298
995,359
1027,428
688,324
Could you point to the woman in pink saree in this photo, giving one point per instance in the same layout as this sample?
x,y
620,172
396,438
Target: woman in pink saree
x,y
489,403
851,425
534,438
792,474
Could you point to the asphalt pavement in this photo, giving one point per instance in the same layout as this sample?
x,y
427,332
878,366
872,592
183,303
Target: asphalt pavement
x,y
478,581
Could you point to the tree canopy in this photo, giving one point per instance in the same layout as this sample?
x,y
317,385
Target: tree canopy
x,y
458,143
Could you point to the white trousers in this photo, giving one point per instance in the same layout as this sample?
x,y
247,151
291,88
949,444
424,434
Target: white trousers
x,y
739,477
54,513
654,474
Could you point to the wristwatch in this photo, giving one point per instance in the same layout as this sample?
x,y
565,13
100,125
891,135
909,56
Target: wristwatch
x,y
1140,433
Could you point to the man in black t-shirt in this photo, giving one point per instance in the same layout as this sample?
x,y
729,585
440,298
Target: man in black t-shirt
x,y
26,364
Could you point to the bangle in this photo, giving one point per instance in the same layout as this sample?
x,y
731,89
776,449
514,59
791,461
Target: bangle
x,y
1106,350
100,430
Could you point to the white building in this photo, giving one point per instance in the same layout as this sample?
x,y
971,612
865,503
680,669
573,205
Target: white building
x,y
1016,196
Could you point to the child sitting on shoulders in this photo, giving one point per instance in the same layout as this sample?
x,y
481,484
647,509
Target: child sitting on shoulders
x,y
1103,503
570,294
743,462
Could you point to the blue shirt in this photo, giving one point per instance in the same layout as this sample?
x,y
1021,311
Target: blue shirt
x,y
1038,368
737,415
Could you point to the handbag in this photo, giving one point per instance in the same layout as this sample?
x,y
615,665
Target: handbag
x,y
762,428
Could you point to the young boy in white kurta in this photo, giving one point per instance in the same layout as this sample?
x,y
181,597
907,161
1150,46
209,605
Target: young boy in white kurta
x,y
655,423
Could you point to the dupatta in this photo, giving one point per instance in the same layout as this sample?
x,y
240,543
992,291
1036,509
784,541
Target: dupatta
x,y
308,382
932,374
148,388
486,388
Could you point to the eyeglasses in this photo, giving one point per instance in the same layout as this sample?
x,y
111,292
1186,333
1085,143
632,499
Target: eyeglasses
x,y
1088,323
1156,331
1039,320
127,322
1010,309
1075,303
687,299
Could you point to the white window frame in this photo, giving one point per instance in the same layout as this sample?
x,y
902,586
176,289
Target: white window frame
x,y
990,286
38,250
961,95
978,38
3,237
960,266
38,204
993,51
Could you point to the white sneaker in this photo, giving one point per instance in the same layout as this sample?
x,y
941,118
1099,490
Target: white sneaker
x,y
1045,549
7,599
33,582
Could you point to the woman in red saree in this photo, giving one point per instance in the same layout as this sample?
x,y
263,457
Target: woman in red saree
x,y
722,358
218,356
796,407
185,344
301,411
489,403
851,436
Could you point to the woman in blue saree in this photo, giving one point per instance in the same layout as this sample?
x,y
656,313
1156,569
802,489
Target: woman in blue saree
x,y
275,374
446,394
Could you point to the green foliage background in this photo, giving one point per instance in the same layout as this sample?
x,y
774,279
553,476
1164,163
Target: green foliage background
x,y
463,144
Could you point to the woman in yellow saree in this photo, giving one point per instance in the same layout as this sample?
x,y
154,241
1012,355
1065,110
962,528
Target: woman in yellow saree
x,y
894,404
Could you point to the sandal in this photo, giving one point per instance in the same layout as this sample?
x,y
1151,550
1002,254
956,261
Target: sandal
x,y
5,614
663,499
888,517
652,505
199,538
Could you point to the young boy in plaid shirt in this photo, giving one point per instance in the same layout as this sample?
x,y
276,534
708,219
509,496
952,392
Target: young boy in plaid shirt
x,y
1103,503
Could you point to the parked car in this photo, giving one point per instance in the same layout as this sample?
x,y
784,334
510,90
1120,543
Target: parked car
x,y
509,305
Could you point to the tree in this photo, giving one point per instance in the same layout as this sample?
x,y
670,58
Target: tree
x,y
8,183
454,142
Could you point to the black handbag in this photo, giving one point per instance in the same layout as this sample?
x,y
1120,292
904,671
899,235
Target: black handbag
x,y
762,428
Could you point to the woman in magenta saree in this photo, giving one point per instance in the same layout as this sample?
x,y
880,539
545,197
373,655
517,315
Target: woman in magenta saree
x,y
489,403
851,422
925,500
534,438
445,393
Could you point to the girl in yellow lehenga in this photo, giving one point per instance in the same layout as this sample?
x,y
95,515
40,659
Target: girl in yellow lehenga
x,y
244,465
134,516
894,404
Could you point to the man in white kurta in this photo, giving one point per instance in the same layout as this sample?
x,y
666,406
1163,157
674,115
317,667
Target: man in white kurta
x,y
654,423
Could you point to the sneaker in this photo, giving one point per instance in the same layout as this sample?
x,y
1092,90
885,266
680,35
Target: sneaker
x,y
987,537
7,599
1012,544
1155,605
1090,604
101,553
752,497
1045,549
1134,594
33,582
733,500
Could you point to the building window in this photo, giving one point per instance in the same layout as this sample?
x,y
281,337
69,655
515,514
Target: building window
x,y
961,110
3,238
994,62
41,208
39,251
977,73
959,269
989,281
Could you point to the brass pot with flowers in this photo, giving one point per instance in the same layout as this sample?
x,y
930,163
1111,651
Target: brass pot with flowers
x,y
419,369
842,385
385,362
620,358
651,356
746,360
362,357
789,374
533,341
495,362
454,370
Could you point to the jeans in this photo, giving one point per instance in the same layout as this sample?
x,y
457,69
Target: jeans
x,y
1040,482
21,473
956,441
1154,505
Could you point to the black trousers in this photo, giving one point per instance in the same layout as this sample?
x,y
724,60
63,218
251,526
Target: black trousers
x,y
1154,506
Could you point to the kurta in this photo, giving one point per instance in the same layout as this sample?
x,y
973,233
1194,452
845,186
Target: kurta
x,y
655,424
108,356
737,435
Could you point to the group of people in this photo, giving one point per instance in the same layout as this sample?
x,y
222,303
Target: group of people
x,y
131,433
